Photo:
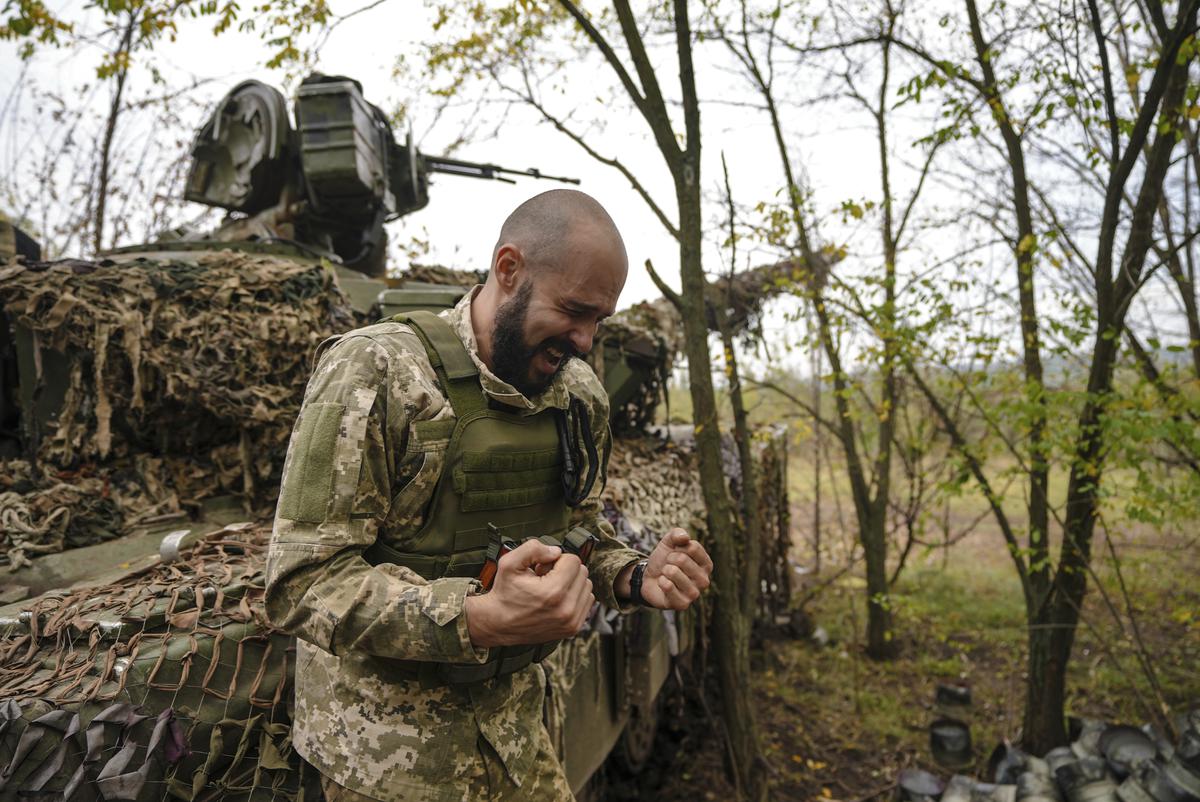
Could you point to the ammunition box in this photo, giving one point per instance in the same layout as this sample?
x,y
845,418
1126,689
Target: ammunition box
x,y
341,149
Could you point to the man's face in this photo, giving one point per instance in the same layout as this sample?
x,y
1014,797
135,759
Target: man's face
x,y
552,317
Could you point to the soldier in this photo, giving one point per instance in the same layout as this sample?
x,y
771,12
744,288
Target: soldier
x,y
421,447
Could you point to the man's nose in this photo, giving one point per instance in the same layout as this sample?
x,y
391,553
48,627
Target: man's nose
x,y
581,338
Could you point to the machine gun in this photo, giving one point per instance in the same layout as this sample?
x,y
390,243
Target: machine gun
x,y
442,164
327,185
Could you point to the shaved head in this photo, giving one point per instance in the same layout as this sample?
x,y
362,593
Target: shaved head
x,y
550,227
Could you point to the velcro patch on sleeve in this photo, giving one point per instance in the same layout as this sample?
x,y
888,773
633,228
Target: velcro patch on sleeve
x,y
307,488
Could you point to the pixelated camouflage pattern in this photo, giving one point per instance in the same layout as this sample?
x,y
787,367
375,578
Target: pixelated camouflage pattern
x,y
486,780
354,472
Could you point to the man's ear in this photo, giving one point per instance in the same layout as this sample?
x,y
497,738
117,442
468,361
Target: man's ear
x,y
508,266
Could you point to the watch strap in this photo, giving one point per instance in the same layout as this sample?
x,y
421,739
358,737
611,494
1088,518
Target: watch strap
x,y
635,583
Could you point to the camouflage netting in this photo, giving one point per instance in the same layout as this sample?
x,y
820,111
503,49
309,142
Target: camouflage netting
x,y
184,380
436,274
775,523
768,449
652,487
745,294
167,683
201,365
41,515
652,480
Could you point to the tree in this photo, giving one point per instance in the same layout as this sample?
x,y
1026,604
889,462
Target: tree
x,y
752,37
504,45
1128,150
123,32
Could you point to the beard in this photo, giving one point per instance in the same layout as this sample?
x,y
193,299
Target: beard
x,y
512,356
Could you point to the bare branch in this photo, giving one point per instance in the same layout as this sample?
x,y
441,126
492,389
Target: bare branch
x,y
663,287
976,467
799,402
651,107
687,79
609,54
1110,103
613,162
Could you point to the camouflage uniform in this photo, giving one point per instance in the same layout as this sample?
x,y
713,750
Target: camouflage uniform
x,y
349,478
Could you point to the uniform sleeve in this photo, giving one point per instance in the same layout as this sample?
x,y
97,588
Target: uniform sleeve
x,y
335,491
610,556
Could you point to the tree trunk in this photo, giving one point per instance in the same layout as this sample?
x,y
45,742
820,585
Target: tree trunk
x,y
881,644
1187,295
731,627
1025,247
1052,627
110,129
816,513
1045,694
752,516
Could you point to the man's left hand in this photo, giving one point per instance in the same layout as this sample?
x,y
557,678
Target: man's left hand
x,y
679,570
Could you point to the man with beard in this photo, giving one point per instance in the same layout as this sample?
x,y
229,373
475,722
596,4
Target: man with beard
x,y
423,443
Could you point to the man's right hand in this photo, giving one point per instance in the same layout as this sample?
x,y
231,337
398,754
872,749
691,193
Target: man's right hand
x,y
525,608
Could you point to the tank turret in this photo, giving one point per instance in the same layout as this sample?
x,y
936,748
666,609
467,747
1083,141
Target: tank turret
x,y
328,183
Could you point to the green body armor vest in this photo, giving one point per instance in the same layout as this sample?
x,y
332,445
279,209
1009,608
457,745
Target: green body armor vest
x,y
502,470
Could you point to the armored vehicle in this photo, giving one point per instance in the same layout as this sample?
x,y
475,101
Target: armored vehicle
x,y
146,399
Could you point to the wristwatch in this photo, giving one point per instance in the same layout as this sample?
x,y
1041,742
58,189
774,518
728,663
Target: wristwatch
x,y
635,583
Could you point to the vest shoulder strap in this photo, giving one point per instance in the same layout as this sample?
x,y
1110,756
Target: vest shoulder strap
x,y
455,369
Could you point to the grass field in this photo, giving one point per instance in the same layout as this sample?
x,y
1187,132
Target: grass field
x,y
840,726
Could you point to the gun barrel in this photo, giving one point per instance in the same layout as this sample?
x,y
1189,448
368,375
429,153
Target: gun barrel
x,y
442,164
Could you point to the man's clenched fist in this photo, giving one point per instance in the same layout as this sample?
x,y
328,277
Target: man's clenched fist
x,y
540,594
678,571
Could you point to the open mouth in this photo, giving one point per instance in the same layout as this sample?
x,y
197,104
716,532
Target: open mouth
x,y
551,358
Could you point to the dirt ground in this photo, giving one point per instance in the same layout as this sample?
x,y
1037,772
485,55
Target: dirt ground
x,y
839,726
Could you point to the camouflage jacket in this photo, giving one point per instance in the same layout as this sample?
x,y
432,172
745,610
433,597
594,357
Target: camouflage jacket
x,y
349,478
